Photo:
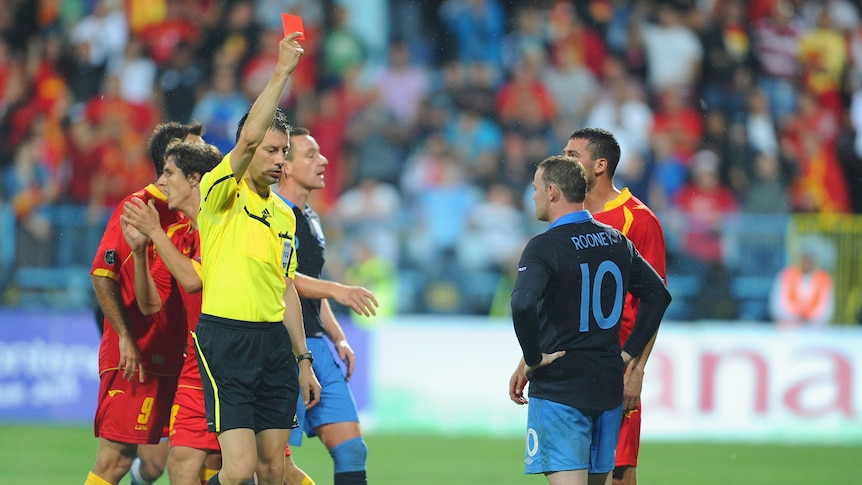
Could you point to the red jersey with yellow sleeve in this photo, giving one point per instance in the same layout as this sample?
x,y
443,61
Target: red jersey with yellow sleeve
x,y
640,225
161,336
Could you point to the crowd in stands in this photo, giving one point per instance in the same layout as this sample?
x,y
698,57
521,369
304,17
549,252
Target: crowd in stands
x,y
721,107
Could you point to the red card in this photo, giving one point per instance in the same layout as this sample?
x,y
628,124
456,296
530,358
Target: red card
x,y
292,23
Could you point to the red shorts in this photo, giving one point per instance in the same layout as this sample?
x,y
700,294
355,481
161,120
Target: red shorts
x,y
189,421
131,412
630,438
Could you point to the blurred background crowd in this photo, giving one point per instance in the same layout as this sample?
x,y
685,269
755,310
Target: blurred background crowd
x,y
737,120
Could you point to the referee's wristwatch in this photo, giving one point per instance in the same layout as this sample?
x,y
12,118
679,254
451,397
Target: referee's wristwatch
x,y
305,356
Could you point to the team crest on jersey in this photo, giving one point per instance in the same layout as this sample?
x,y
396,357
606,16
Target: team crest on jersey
x,y
110,256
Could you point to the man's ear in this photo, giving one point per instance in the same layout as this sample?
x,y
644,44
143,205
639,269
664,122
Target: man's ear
x,y
553,193
601,166
195,179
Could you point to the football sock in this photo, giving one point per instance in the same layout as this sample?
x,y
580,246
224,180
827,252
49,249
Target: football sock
x,y
93,479
307,481
206,474
351,478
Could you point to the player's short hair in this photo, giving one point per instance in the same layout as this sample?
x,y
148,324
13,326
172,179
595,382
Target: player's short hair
x,y
567,174
296,131
163,135
193,158
279,123
602,144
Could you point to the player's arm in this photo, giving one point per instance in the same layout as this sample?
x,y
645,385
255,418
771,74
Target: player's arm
x,y
648,286
263,110
146,292
110,298
359,299
533,276
296,330
648,237
145,218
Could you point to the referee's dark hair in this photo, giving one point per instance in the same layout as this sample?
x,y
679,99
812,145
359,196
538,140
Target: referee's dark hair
x,y
279,123
164,134
602,144
567,174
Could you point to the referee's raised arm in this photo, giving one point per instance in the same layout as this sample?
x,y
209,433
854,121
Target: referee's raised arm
x,y
262,111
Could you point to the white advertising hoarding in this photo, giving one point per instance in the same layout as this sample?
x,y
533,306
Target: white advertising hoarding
x,y
717,381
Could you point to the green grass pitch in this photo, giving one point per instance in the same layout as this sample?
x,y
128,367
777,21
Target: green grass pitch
x,y
43,455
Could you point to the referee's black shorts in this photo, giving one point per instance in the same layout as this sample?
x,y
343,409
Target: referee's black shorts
x,y
248,374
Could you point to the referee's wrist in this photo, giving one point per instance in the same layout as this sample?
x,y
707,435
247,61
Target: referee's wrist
x,y
305,356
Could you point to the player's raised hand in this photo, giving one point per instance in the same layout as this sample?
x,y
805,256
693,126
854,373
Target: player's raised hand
x,y
289,52
136,239
143,216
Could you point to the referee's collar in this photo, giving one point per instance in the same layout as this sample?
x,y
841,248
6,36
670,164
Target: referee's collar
x,y
572,218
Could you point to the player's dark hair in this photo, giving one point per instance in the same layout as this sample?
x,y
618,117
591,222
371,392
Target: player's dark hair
x,y
297,131
602,144
192,158
567,174
279,123
162,136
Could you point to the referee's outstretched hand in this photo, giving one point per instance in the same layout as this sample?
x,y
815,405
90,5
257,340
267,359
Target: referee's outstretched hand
x,y
289,52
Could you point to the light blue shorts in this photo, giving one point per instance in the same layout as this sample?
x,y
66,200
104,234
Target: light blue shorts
x,y
336,401
563,438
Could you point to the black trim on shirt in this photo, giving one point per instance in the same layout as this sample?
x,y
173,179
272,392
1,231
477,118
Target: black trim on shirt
x,y
226,177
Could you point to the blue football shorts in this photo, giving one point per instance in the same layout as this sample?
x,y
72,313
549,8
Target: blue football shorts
x,y
563,438
336,401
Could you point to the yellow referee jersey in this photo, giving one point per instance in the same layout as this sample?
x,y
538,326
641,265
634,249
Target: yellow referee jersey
x,y
247,248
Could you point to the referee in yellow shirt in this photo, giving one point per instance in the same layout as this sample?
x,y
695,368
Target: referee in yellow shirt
x,y
251,316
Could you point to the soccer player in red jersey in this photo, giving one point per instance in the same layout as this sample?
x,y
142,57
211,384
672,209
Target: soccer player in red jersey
x,y
599,152
177,260
140,356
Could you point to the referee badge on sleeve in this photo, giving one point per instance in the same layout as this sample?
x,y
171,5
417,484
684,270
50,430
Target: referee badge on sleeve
x,y
286,250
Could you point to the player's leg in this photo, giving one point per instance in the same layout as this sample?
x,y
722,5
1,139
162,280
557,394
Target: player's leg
x,y
599,479
113,460
335,419
628,447
568,477
184,465
625,475
348,450
293,475
149,465
194,454
603,445
212,464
